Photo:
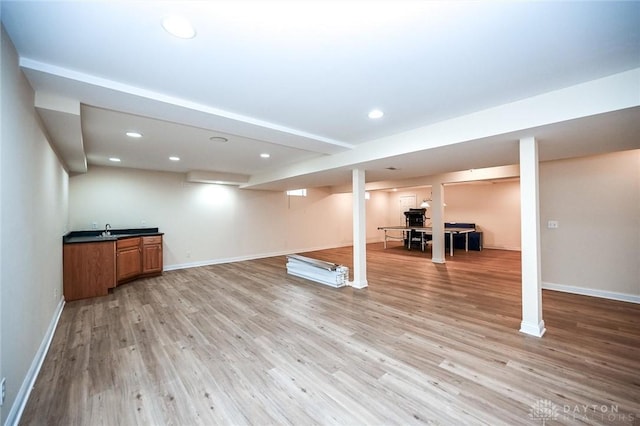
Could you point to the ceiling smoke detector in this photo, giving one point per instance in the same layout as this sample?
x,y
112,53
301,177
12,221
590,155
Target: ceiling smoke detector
x,y
392,168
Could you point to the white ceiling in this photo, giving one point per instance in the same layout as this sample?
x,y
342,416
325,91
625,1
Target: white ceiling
x,y
104,137
297,79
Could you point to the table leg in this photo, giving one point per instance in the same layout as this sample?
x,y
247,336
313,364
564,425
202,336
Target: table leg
x,y
466,241
385,238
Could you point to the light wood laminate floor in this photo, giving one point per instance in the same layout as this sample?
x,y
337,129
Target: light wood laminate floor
x,y
245,343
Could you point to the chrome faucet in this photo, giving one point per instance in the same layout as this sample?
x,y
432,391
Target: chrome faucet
x,y
107,231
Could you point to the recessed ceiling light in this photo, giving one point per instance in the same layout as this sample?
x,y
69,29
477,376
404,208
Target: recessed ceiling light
x,y
174,158
134,134
265,155
218,139
179,27
114,159
376,113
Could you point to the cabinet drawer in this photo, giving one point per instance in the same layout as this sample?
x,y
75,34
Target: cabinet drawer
x,y
156,239
127,243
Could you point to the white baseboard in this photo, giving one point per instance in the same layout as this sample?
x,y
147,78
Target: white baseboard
x,y
375,240
624,297
243,258
27,384
502,248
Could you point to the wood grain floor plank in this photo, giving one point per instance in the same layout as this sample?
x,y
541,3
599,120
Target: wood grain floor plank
x,y
246,344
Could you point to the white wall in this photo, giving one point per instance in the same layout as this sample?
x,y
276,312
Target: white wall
x,y
206,223
33,218
493,207
2,103
596,201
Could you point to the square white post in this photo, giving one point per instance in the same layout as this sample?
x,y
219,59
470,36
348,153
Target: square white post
x,y
532,322
359,231
437,223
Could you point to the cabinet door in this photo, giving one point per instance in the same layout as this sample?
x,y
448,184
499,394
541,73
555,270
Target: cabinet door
x,y
129,262
151,258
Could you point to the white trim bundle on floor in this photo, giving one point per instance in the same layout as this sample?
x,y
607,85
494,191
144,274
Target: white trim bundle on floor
x,y
317,270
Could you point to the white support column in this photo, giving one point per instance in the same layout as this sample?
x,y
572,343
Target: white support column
x,y
359,231
532,322
437,223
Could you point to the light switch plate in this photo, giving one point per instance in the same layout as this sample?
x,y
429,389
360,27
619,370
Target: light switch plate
x,y
553,224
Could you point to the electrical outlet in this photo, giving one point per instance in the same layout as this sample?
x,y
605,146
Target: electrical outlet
x,y
4,390
188,254
55,294
94,225
553,224
143,223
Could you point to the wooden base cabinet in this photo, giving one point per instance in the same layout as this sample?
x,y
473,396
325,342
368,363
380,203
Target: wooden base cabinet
x,y
91,269
129,259
152,255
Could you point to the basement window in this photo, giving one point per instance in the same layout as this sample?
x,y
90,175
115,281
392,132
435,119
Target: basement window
x,y
298,192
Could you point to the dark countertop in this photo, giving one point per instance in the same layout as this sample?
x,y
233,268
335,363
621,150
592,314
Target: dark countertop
x,y
95,236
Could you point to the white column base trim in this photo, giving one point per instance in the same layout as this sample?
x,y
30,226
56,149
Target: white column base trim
x,y
359,284
438,260
624,297
27,384
536,330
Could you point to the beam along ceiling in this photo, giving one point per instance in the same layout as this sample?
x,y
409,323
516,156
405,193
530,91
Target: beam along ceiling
x,y
296,80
